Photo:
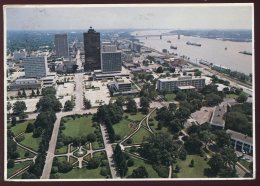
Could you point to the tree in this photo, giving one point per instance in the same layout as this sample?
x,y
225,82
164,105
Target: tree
x,y
193,144
93,163
87,103
120,160
182,114
216,163
177,169
49,102
145,104
13,122
18,109
159,149
48,91
33,93
24,93
38,92
159,70
19,94
91,137
29,128
120,101
182,154
241,98
131,106
191,163
206,136
213,99
197,73
68,106
9,106
181,96
139,172
10,163
64,167
28,175
222,138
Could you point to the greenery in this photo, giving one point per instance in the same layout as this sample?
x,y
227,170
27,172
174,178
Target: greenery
x,y
192,172
140,136
131,106
120,160
159,149
82,174
19,107
69,105
17,167
87,103
31,142
21,127
148,166
139,172
170,97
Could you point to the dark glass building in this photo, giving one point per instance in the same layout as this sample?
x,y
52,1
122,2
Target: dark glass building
x,y
61,45
92,50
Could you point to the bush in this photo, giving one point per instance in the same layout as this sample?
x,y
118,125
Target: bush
x,y
10,164
27,154
20,138
59,145
183,154
37,132
133,149
62,127
94,163
117,137
91,137
129,141
130,163
104,162
29,128
54,170
64,167
103,171
162,171
54,176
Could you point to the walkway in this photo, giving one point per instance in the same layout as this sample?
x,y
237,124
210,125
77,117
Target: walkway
x,y
109,151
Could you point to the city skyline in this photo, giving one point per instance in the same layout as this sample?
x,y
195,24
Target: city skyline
x,y
191,16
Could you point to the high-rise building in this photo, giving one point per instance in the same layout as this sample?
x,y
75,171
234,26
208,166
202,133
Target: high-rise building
x,y
61,45
35,67
92,50
111,60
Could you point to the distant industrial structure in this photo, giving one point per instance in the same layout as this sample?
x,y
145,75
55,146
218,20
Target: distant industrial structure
x,y
92,50
61,45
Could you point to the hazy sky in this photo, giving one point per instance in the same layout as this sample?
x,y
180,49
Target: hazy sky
x,y
188,17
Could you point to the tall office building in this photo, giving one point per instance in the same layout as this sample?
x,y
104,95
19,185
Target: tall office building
x,y
92,50
35,67
61,45
111,61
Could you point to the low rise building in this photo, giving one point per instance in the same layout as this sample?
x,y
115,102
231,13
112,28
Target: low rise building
x,y
217,118
241,142
28,83
173,84
122,84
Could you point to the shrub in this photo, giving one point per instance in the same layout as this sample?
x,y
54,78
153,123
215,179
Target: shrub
x,y
104,171
130,163
129,141
29,128
183,154
26,154
104,162
64,167
54,169
91,137
10,164
20,138
37,132
93,163
117,137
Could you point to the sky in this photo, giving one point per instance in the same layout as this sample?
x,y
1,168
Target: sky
x,y
145,17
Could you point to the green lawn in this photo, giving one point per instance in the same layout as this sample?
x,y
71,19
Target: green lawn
x,y
234,96
72,160
21,151
20,127
122,128
170,97
62,158
192,172
135,117
83,173
30,142
79,127
62,150
139,136
245,163
17,167
97,145
137,163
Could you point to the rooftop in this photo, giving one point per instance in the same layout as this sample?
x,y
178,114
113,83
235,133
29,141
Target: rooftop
x,y
218,114
180,78
240,136
186,87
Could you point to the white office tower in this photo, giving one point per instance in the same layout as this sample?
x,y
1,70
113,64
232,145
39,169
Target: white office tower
x,y
61,45
111,59
35,67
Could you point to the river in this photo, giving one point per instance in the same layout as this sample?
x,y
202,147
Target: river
x,y
211,50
